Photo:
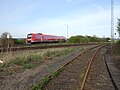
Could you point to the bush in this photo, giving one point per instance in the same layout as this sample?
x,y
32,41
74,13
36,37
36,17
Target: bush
x,y
77,39
93,38
4,41
116,48
19,41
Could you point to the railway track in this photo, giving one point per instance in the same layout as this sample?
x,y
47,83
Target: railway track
x,y
66,74
99,78
112,69
28,79
33,47
82,73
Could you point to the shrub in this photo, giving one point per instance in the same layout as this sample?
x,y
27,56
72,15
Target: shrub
x,y
19,41
116,48
77,39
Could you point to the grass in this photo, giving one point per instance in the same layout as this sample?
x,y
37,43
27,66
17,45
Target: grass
x,y
29,66
116,48
27,62
46,80
31,59
57,53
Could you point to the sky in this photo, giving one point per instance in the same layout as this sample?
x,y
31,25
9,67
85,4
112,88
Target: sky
x,y
83,17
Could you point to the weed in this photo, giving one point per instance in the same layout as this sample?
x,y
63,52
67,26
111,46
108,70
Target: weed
x,y
56,53
39,86
25,61
46,80
116,48
31,59
48,54
29,66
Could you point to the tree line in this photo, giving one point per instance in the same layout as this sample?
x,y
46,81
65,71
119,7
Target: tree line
x,y
6,40
87,39
73,39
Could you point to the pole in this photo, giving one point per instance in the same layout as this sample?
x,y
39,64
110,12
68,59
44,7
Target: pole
x,y
112,21
8,36
67,31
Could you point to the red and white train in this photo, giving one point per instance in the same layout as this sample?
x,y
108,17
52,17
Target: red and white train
x,y
39,38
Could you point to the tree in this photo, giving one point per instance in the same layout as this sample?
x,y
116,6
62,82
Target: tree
x,y
4,40
118,27
78,39
19,41
93,38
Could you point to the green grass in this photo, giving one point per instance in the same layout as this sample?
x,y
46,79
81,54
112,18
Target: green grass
x,y
29,66
116,48
27,62
32,59
57,53
46,80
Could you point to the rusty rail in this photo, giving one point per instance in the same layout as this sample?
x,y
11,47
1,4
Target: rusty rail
x,y
40,47
88,69
49,76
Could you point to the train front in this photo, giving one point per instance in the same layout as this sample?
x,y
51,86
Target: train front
x,y
33,38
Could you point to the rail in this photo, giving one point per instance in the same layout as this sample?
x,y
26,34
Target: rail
x,y
49,77
5,49
88,69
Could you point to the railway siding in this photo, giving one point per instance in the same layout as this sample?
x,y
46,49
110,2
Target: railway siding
x,y
26,80
98,78
71,77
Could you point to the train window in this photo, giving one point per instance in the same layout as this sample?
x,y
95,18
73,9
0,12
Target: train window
x,y
37,36
29,36
46,37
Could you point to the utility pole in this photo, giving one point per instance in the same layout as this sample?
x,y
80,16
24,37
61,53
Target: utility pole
x,y
67,30
8,36
112,20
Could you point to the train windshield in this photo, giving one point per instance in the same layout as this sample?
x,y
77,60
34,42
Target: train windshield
x,y
29,36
